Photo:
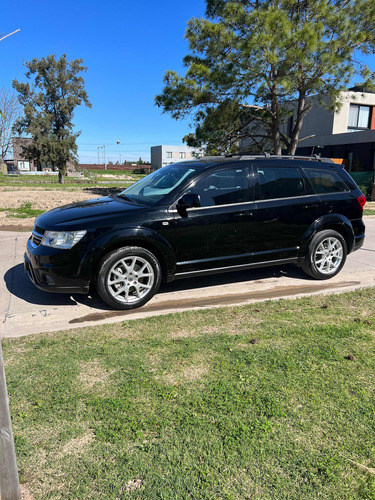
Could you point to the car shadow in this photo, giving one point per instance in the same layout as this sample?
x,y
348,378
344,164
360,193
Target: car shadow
x,y
254,275
19,285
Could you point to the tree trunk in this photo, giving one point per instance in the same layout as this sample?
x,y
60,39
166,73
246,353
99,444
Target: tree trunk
x,y
61,176
301,111
275,127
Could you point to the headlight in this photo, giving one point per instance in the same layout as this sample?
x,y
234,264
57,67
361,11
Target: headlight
x,y
62,239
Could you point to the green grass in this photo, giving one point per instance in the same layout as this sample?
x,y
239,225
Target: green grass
x,y
274,400
71,183
22,212
127,173
368,211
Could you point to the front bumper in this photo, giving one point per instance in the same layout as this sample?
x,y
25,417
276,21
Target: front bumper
x,y
47,277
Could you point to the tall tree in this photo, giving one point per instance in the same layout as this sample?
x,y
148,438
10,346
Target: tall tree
x,y
254,64
10,112
49,102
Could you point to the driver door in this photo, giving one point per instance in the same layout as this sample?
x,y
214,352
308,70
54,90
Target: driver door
x,y
216,234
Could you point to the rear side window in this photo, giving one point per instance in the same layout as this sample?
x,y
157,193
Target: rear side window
x,y
325,182
276,182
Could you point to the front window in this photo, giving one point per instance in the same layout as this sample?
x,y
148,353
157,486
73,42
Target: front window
x,y
223,187
182,156
359,117
169,154
152,188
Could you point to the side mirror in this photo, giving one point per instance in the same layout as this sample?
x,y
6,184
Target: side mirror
x,y
189,200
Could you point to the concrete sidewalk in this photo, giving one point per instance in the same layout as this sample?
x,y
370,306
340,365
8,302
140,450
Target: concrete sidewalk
x,y
26,310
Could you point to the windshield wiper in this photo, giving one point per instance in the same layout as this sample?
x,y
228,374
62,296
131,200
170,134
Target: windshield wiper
x,y
124,197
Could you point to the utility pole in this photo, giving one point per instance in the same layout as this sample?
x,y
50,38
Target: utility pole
x,y
119,150
9,482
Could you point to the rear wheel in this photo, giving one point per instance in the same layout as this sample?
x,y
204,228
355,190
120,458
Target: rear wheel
x,y
128,277
326,255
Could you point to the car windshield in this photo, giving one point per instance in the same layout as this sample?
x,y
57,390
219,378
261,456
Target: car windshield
x,y
154,187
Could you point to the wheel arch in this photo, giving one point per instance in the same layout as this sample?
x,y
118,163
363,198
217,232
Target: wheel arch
x,y
148,240
335,222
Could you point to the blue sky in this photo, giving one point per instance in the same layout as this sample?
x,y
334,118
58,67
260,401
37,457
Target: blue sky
x,y
126,46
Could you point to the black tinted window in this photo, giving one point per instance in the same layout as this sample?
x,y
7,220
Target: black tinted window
x,y
325,182
223,187
276,182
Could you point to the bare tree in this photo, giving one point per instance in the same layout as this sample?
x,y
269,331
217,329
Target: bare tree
x,y
10,112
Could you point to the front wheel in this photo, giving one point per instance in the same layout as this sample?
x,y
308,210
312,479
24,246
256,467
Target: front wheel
x,y
128,277
326,255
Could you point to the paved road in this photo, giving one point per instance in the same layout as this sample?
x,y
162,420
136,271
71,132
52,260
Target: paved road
x,y
26,310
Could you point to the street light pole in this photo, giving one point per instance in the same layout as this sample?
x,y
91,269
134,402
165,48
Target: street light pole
x,y
119,150
6,36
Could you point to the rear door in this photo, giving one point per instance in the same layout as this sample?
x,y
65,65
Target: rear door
x,y
286,207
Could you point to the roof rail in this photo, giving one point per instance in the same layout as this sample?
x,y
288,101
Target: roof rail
x,y
314,157
252,156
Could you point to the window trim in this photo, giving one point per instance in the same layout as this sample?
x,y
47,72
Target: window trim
x,y
250,187
23,162
173,208
305,170
370,108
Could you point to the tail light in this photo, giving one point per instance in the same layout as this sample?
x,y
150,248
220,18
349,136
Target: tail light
x,y
362,200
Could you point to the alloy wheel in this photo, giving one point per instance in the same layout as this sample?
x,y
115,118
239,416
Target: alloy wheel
x,y
130,279
328,255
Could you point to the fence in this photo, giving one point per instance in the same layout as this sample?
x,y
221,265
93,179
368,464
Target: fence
x,y
364,181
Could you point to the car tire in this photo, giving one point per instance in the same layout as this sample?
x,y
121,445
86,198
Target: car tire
x,y
326,255
128,277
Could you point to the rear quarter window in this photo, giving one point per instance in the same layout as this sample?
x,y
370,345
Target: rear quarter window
x,y
323,181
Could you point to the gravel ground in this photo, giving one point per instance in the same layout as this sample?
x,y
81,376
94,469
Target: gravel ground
x,y
40,200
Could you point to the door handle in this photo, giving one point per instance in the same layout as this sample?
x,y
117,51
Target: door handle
x,y
310,207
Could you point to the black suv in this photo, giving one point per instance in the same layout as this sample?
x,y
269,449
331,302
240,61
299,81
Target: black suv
x,y
200,217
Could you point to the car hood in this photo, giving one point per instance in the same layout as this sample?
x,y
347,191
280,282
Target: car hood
x,y
87,213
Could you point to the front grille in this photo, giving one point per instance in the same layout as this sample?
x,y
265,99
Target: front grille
x,y
37,236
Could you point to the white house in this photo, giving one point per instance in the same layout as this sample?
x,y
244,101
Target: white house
x,y
164,155
348,133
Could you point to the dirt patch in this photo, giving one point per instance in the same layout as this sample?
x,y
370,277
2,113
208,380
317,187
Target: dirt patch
x,y
93,375
12,227
25,493
116,177
133,485
181,334
194,373
77,446
40,200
